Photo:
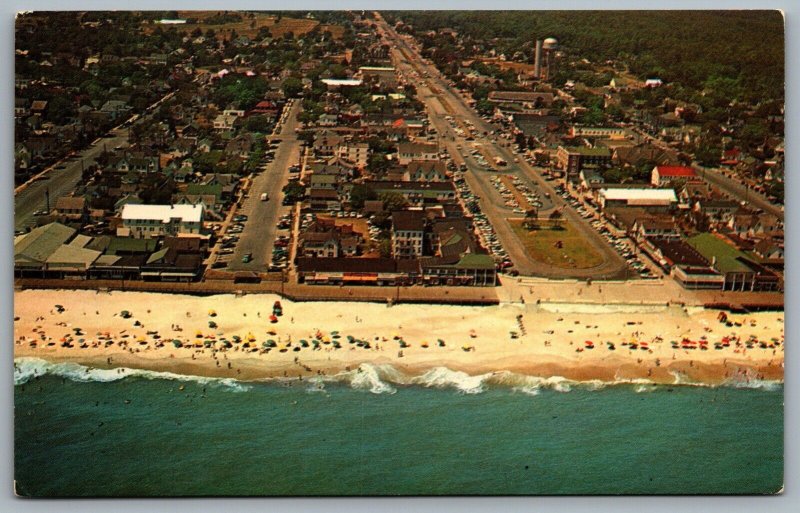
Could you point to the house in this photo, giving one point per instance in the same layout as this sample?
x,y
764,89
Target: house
x,y
265,108
408,151
115,108
71,208
408,233
662,176
324,199
319,245
150,221
21,108
425,171
327,143
328,120
662,226
39,107
356,153
240,146
226,121
769,249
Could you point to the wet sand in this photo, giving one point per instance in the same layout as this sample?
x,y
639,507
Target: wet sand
x,y
525,339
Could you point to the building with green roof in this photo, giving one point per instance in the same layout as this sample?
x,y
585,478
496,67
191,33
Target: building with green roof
x,y
740,271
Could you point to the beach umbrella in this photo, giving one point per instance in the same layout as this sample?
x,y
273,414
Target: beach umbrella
x,y
199,334
125,314
177,343
237,338
212,313
251,337
212,324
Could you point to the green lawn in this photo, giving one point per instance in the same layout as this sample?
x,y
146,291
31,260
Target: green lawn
x,y
541,244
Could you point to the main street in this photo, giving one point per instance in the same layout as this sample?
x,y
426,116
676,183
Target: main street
x,y
31,196
438,98
258,237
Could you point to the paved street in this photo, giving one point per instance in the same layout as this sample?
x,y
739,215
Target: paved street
x,y
260,229
438,96
30,197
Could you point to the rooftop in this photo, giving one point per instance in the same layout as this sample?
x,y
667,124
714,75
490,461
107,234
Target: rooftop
x,y
639,194
713,247
186,213
675,171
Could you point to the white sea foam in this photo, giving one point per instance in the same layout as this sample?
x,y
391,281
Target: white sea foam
x,y
442,377
27,368
763,384
377,379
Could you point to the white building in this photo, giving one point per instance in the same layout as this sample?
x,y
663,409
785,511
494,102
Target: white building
x,y
151,221
653,198
356,153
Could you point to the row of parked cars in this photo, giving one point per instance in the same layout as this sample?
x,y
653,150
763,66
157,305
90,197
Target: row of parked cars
x,y
620,244
484,228
281,247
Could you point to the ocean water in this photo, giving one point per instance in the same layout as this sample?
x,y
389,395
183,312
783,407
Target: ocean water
x,y
89,432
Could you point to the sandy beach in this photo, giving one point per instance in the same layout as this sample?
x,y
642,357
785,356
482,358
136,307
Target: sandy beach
x,y
226,336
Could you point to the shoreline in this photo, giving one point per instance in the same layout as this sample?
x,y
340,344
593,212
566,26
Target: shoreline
x,y
478,340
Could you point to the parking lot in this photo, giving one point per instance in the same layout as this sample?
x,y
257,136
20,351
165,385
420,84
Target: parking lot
x,y
635,260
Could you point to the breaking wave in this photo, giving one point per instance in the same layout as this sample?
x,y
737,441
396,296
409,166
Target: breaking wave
x,y
28,368
378,379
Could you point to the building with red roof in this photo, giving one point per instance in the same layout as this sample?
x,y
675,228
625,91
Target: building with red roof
x,y
666,175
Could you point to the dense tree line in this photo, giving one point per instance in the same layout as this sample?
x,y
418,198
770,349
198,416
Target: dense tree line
x,y
697,49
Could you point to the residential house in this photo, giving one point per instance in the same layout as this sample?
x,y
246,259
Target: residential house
x,y
663,176
408,151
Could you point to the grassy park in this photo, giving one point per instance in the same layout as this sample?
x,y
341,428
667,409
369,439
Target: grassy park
x,y
557,244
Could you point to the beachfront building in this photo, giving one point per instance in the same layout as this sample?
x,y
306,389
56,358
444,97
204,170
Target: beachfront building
x,y
408,233
53,251
357,271
151,221
475,269
741,272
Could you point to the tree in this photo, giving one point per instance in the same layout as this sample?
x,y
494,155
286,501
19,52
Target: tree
x,y
708,155
359,194
385,248
557,218
258,124
292,87
531,219
393,201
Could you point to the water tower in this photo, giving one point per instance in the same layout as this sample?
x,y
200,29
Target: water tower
x,y
548,58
